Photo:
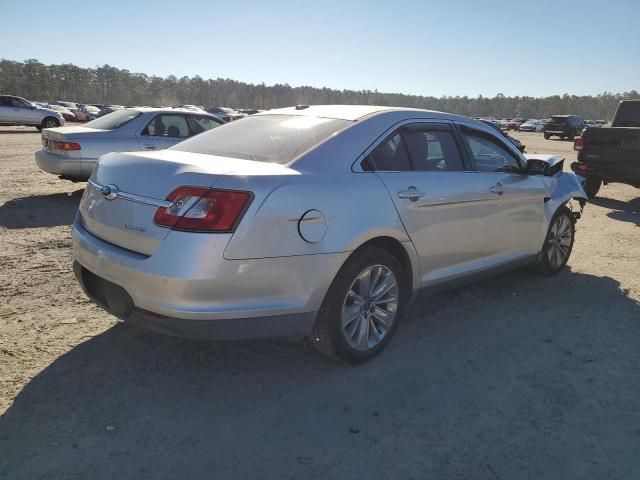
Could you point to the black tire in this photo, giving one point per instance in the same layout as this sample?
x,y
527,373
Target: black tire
x,y
546,266
592,186
39,128
327,335
547,136
50,122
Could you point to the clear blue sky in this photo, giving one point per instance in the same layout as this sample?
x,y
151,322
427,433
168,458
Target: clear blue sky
x,y
444,47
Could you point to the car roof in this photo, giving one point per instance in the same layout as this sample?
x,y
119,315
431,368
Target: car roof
x,y
168,110
351,112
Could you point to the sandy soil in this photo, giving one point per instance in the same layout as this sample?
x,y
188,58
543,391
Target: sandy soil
x,y
515,377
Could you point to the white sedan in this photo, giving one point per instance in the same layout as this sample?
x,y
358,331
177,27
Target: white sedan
x,y
532,126
72,152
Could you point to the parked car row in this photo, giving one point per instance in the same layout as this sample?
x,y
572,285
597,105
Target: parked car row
x,y
16,110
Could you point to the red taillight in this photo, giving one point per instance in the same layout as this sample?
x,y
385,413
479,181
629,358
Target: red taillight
x,y
58,145
578,143
198,209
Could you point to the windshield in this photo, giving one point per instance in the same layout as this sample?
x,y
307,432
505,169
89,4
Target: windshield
x,y
559,119
265,138
113,120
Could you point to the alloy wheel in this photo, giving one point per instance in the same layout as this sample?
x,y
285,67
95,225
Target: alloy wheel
x,y
370,307
559,244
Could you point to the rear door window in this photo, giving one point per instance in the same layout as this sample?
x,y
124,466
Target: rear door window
x,y
201,124
432,148
167,125
391,155
113,120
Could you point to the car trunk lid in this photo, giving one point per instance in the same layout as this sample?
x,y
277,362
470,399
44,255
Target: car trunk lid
x,y
126,190
62,134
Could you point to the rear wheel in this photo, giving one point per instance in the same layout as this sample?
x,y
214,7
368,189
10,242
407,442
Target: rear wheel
x,y
362,308
592,186
50,122
558,243
547,136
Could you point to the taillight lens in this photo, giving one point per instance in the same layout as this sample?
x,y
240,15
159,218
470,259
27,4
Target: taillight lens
x,y
578,143
198,209
58,145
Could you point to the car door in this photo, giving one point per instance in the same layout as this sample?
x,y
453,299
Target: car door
x,y
163,131
437,197
515,225
24,112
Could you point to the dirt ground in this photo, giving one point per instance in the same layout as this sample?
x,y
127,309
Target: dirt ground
x,y
514,377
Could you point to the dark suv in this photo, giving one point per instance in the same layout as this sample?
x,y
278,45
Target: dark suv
x,y
563,126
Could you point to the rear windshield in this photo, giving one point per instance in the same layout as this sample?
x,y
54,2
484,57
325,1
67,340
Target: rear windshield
x,y
559,119
628,115
113,120
265,138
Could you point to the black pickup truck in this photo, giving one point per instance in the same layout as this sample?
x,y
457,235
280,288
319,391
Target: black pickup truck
x,y
563,126
611,154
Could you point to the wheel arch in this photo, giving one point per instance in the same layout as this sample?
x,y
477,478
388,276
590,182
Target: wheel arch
x,y
404,252
567,187
50,117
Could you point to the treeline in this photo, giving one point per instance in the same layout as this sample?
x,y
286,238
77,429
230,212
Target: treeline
x,y
109,85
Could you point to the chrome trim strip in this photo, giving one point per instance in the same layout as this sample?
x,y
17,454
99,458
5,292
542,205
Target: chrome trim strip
x,y
135,198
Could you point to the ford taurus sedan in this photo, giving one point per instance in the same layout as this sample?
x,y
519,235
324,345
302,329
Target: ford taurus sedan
x,y
72,152
319,222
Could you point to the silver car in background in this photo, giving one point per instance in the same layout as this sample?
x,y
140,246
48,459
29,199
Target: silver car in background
x,y
72,152
18,111
319,222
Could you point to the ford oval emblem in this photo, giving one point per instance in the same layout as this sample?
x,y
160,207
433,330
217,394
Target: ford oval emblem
x,y
109,191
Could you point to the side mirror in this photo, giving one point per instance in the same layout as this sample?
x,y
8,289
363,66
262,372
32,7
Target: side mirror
x,y
538,167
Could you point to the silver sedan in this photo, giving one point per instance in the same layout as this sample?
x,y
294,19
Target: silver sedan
x,y
72,152
319,222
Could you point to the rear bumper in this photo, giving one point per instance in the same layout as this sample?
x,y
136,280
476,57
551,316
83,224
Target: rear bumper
x,y
187,288
79,168
116,300
557,132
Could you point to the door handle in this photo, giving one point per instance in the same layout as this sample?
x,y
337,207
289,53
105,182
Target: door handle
x,y
149,147
411,193
498,188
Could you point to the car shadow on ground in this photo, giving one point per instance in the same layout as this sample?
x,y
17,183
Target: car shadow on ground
x,y
623,211
515,377
40,210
